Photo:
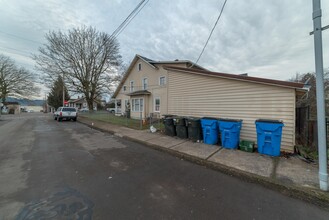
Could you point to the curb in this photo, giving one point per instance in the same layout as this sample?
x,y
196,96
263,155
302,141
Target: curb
x,y
313,196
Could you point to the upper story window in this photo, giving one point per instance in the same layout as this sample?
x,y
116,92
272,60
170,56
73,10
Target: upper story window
x,y
131,86
139,67
162,80
144,83
124,88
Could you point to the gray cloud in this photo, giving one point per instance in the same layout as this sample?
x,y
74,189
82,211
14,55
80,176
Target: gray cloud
x,y
264,38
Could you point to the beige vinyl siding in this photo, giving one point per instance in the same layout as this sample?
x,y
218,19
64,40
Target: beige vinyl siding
x,y
122,97
198,95
153,77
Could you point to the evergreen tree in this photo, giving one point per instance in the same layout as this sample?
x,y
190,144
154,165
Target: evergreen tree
x,y
55,97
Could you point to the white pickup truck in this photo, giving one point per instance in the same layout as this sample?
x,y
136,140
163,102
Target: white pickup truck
x,y
67,113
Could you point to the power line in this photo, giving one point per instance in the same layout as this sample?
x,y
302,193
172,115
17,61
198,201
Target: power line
x,y
116,33
132,18
19,54
20,37
129,18
22,51
220,14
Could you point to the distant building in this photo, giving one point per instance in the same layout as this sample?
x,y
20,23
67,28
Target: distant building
x,y
80,103
12,108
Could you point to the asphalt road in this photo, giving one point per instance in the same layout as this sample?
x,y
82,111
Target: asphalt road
x,y
65,170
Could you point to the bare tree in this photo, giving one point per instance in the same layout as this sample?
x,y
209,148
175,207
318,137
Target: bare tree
x,y
309,99
15,81
87,59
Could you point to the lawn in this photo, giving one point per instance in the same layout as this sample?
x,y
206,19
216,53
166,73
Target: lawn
x,y
121,120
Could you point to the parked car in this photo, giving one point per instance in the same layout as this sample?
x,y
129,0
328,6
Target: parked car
x,y
84,110
67,113
113,111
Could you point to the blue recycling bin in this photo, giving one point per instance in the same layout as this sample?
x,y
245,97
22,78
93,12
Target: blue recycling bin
x,y
269,133
230,132
209,130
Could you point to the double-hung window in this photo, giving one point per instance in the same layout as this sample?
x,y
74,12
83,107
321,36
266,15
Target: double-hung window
x,y
131,86
144,83
162,80
137,105
156,104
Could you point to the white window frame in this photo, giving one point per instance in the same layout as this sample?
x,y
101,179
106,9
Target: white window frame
x,y
139,67
126,102
165,80
132,105
131,88
124,88
143,85
155,98
140,106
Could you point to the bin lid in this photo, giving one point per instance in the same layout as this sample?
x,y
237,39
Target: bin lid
x,y
230,119
178,117
192,118
209,118
166,116
169,118
270,121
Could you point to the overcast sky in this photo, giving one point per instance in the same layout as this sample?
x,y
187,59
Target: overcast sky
x,y
264,38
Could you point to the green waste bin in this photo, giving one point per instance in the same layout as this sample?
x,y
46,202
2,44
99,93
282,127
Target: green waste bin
x,y
247,146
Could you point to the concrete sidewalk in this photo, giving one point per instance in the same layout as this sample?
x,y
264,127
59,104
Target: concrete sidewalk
x,y
291,176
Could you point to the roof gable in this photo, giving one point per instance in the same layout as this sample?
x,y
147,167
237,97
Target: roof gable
x,y
128,71
151,63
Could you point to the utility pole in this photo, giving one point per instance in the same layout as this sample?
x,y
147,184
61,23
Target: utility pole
x,y
321,119
63,91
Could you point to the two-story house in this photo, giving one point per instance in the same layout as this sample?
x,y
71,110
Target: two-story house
x,y
179,88
144,89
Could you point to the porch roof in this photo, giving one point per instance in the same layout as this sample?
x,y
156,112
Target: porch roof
x,y
139,92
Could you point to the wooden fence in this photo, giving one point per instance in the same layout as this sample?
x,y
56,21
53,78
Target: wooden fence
x,y
306,128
